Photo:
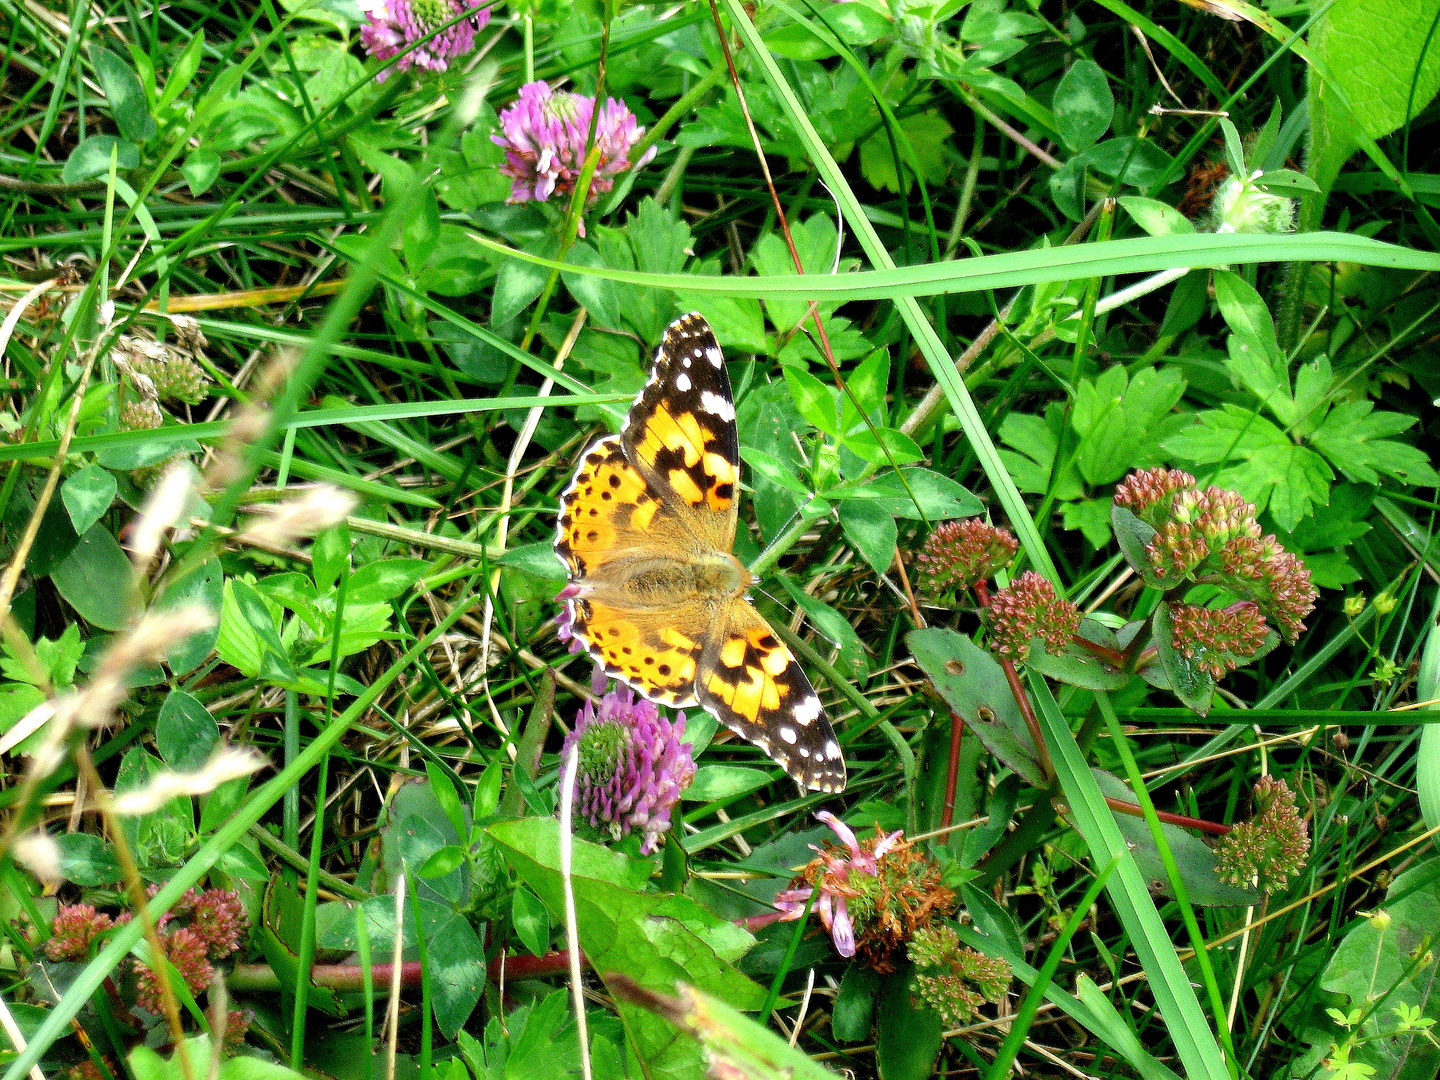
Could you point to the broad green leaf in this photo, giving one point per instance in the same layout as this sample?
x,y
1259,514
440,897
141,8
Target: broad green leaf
x,y
1371,965
201,168
1133,535
916,494
1083,105
1379,53
655,939
723,781
1120,425
1358,441
531,921
1155,217
974,685
184,68
88,494
384,580
205,585
442,863
814,399
124,95
1194,858
834,627
871,530
146,1064
1192,683
86,860
95,579
854,1010
1273,471
908,1035
185,732
1245,312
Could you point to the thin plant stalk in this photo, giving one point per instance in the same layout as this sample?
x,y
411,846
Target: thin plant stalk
x,y
572,926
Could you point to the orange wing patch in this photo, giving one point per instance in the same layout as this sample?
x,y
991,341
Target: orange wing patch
x,y
678,447
754,685
607,509
644,648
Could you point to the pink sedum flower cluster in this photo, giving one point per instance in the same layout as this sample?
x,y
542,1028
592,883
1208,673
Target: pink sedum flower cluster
x,y
545,134
392,26
1028,608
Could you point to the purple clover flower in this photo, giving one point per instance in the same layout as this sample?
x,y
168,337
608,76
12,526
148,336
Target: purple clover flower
x,y
393,25
544,133
835,885
633,766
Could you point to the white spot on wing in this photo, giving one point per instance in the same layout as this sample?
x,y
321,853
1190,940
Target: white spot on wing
x,y
682,383
807,711
832,750
715,403
787,733
714,355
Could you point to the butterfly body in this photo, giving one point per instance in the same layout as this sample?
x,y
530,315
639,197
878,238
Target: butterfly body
x,y
656,595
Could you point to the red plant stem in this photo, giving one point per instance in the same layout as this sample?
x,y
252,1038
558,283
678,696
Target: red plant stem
x,y
1110,656
952,774
1214,828
1023,700
262,977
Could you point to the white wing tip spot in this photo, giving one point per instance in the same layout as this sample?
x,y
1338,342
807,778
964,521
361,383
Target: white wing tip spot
x,y
715,357
808,710
832,750
716,404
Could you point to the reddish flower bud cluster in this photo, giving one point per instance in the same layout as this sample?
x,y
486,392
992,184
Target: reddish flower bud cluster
x,y
954,980
1147,488
1274,578
958,554
189,953
1212,536
1028,608
201,927
1271,848
1176,551
72,930
1218,640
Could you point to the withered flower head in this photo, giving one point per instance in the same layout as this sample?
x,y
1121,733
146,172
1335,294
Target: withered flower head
x,y
873,897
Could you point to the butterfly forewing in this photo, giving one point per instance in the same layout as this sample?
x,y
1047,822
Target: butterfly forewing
x,y
681,430
644,510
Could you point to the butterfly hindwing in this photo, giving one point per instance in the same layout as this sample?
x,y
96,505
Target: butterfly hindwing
x,y
655,650
754,685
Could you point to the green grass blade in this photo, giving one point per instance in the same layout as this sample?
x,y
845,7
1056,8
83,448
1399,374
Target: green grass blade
x,y
1175,998
942,366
